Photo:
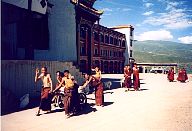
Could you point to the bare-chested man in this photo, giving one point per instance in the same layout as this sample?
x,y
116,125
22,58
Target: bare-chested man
x,y
69,85
45,103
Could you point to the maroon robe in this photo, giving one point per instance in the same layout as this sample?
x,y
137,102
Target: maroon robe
x,y
127,75
136,81
170,75
99,97
182,75
67,101
45,103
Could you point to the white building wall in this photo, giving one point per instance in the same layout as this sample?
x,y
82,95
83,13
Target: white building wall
x,y
62,33
126,31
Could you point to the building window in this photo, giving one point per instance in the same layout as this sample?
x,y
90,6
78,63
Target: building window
x,y
106,39
115,41
131,43
110,53
82,33
114,54
83,52
96,36
123,43
131,33
39,32
119,42
102,38
105,53
120,54
111,40
131,53
96,52
83,49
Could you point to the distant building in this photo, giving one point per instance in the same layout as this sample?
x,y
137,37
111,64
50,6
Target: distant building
x,y
128,30
69,31
109,49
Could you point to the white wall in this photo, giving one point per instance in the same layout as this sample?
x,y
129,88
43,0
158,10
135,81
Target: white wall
x,y
62,33
126,31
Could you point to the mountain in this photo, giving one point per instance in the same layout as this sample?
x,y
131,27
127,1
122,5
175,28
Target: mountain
x,y
162,52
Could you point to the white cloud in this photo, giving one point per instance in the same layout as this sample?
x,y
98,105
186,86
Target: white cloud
x,y
148,13
186,39
171,5
147,5
174,16
105,14
138,25
173,19
107,9
155,35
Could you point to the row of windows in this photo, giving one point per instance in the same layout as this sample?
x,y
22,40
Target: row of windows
x,y
109,53
109,40
103,52
104,39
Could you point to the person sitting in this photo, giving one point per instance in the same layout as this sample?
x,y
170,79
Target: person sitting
x,y
86,86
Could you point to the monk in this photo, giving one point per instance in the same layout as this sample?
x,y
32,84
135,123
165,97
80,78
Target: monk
x,y
127,75
86,86
136,81
170,75
59,76
182,75
69,85
45,103
98,85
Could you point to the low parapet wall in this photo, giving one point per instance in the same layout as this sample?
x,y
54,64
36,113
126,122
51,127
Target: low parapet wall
x,y
18,75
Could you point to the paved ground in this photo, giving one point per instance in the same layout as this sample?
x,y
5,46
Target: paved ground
x,y
161,106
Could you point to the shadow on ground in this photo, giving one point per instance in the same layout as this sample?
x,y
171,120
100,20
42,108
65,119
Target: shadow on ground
x,y
7,104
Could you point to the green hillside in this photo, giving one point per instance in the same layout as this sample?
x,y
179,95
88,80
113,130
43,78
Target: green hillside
x,y
163,52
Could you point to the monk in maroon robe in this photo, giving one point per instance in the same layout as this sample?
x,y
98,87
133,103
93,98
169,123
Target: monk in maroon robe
x,y
170,75
98,85
182,75
136,81
127,75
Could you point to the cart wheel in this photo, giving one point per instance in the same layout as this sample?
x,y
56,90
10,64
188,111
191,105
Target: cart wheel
x,y
60,101
83,98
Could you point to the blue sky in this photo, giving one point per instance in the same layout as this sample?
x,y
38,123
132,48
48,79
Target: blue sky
x,y
169,20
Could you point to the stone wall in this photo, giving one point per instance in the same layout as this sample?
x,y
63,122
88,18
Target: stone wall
x,y
18,75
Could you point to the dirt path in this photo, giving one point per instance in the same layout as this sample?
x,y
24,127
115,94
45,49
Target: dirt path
x,y
161,106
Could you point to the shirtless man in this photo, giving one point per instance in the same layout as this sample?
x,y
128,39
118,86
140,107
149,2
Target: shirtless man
x,y
97,73
69,84
45,103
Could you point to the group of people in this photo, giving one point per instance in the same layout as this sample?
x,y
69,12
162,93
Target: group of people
x,y
70,87
67,83
127,74
182,75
